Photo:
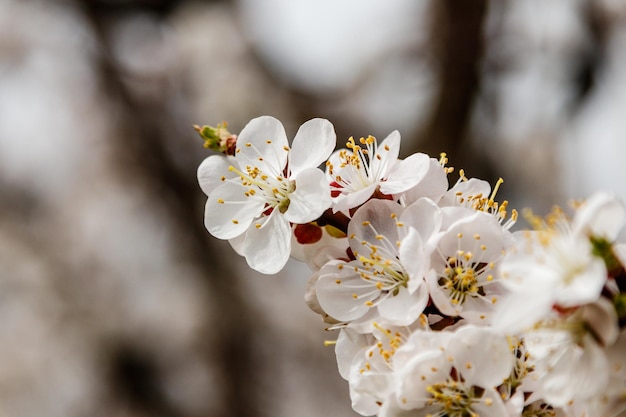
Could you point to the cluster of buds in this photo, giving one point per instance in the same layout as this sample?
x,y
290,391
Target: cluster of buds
x,y
438,307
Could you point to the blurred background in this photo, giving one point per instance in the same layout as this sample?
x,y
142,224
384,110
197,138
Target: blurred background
x,y
114,300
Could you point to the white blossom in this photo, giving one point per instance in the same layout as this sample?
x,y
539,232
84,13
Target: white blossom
x,y
266,186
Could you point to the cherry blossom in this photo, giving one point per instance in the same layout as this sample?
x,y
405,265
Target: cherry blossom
x,y
357,172
439,309
381,238
266,186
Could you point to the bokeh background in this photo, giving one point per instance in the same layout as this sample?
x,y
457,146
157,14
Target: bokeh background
x,y
114,301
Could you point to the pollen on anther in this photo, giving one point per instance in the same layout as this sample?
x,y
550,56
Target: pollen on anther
x,y
258,225
235,221
338,281
248,144
268,141
220,201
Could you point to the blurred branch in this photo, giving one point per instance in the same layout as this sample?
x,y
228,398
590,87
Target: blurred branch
x,y
458,39
142,153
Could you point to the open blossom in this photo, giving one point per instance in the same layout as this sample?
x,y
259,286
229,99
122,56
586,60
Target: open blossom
x,y
441,310
381,238
558,264
255,195
365,358
464,280
568,355
450,374
356,173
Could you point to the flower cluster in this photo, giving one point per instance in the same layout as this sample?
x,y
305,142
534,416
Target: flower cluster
x,y
439,308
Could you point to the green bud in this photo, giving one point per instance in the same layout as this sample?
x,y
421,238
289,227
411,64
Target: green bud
x,y
604,249
620,305
218,139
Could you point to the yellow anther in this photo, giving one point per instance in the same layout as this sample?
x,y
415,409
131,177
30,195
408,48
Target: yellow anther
x,y
220,201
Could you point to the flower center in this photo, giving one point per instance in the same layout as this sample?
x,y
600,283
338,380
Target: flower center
x,y
381,270
455,399
273,190
467,273
360,166
461,277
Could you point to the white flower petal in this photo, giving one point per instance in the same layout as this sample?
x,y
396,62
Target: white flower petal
x,y
424,216
341,292
344,202
374,219
349,343
311,197
314,142
434,184
211,171
406,174
228,212
267,248
404,308
386,155
469,348
602,215
414,258
263,143
473,187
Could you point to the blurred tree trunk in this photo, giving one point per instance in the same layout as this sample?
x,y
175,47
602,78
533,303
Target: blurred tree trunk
x,y
143,158
458,49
